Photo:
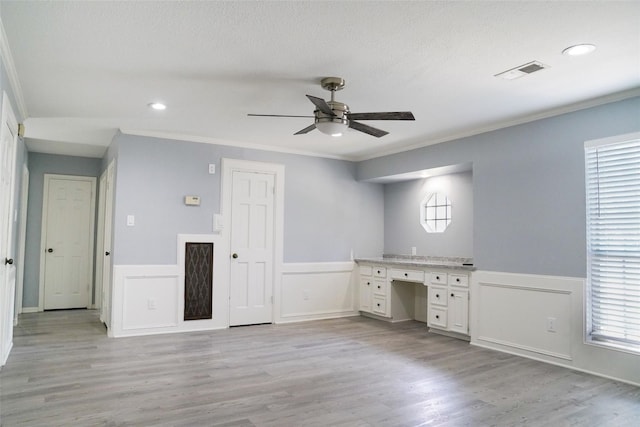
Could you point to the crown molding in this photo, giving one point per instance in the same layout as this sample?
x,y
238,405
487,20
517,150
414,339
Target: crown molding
x,y
594,102
216,141
14,81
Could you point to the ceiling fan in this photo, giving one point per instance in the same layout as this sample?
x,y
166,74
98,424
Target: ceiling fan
x,y
333,117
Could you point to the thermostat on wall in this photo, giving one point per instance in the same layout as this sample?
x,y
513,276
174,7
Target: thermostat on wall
x,y
192,200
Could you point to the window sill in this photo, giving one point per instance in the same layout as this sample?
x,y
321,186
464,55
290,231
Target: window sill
x,y
628,348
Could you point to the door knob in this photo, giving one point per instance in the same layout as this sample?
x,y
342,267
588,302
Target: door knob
x,y
50,250
107,253
8,261
234,256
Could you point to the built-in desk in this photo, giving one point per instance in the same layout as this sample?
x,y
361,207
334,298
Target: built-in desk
x,y
431,290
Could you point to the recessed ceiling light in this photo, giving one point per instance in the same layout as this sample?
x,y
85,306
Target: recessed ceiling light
x,y
579,49
158,106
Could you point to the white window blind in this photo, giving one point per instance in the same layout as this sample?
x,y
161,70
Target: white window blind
x,y
613,240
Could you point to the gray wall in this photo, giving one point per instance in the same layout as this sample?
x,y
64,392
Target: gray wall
x,y
39,164
327,212
402,228
528,186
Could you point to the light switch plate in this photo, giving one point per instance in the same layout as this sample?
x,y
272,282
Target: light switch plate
x,y
131,220
218,222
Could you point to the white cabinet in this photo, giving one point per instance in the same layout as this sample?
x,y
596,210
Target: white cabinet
x,y
438,317
458,316
438,295
449,302
407,275
366,284
389,292
374,290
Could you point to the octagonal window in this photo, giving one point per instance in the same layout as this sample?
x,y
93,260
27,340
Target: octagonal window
x,y
435,213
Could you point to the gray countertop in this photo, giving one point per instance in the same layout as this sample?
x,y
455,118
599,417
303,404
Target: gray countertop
x,y
421,262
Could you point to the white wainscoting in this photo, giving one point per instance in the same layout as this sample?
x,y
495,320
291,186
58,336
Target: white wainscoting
x,y
510,313
321,290
149,299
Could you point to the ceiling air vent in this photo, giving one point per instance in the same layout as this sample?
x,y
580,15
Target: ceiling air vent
x,y
522,70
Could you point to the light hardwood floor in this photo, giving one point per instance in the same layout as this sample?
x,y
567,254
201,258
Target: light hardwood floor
x,y
64,371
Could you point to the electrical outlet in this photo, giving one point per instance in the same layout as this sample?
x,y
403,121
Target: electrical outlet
x,y
551,324
151,304
212,168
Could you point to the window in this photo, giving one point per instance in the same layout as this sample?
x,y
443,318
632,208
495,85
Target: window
x,y
613,241
435,213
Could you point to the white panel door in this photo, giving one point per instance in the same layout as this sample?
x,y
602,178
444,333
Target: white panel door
x,y
8,136
68,247
99,261
105,309
252,225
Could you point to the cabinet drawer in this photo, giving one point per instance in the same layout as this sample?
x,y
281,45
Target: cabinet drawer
x,y
380,271
379,305
366,281
439,278
438,317
438,295
379,287
365,270
407,275
459,280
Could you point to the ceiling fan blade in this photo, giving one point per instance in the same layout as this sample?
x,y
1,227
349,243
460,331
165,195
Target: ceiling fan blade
x,y
278,115
321,104
306,130
367,129
391,115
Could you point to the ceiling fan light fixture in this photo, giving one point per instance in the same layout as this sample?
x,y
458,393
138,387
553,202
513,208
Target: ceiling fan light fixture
x,y
334,127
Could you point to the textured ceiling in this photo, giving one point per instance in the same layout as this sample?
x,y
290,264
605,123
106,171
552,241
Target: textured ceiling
x,y
87,69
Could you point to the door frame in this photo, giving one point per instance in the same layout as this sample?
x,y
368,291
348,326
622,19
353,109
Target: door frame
x,y
43,234
22,241
99,255
277,170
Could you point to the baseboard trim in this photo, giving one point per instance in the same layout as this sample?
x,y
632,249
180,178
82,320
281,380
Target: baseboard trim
x,y
30,310
314,317
525,348
552,362
450,334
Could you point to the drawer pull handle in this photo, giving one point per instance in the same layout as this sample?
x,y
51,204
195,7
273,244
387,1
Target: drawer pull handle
x,y
452,295
437,316
437,295
378,271
458,280
368,283
406,274
437,277
378,304
378,286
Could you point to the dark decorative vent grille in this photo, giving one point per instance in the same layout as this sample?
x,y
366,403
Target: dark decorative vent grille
x,y
198,279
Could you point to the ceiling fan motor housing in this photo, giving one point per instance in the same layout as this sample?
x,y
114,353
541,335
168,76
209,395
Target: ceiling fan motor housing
x,y
340,110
